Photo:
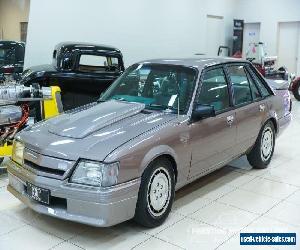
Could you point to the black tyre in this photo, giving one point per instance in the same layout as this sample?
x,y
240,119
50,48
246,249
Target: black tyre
x,y
156,194
1,160
262,152
296,90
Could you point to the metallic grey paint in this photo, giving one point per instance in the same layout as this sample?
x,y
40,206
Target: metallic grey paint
x,y
125,132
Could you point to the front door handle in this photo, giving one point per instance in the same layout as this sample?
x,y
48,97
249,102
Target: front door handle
x,y
230,120
262,107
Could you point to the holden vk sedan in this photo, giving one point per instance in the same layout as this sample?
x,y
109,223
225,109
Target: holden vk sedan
x,y
161,125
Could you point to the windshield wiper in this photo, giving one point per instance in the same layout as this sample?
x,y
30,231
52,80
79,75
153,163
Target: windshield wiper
x,y
166,107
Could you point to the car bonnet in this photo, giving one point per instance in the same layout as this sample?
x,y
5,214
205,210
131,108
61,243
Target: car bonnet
x,y
92,133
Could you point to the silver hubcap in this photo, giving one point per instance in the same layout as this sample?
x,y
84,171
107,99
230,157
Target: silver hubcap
x,y
267,142
159,192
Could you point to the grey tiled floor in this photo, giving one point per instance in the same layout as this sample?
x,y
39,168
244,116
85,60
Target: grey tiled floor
x,y
208,214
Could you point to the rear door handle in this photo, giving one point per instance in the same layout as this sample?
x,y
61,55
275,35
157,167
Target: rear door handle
x,y
262,107
230,120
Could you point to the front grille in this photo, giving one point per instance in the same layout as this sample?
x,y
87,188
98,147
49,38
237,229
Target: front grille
x,y
31,165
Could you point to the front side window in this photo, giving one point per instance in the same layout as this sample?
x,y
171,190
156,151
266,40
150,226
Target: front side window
x,y
159,86
240,84
214,90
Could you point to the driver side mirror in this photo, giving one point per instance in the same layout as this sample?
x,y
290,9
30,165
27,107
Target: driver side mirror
x,y
203,111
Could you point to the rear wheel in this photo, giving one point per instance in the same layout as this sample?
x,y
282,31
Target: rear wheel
x,y
296,90
156,193
262,152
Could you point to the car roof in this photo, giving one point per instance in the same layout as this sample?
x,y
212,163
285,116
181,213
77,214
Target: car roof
x,y
85,46
7,42
199,63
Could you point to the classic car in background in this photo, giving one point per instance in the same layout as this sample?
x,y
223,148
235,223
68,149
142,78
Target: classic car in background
x,y
157,128
77,76
81,70
11,60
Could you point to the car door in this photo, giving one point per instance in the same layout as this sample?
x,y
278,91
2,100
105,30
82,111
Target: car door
x,y
213,139
250,106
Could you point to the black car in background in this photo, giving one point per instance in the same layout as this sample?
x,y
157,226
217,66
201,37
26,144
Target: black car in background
x,y
11,60
82,71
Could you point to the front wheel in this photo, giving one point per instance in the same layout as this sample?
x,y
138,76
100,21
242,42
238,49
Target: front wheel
x,y
156,193
296,90
262,152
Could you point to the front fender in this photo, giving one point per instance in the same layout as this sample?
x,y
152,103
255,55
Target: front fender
x,y
136,155
154,153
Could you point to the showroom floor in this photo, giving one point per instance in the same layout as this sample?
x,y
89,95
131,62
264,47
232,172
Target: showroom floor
x,y
207,214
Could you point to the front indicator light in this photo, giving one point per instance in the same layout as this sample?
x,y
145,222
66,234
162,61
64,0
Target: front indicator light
x,y
18,152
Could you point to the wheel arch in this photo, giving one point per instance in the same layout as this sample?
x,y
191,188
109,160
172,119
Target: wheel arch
x,y
274,121
162,151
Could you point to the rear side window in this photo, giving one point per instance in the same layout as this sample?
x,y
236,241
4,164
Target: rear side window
x,y
214,90
97,63
92,60
240,84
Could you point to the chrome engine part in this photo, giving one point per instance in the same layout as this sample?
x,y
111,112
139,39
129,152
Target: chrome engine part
x,y
17,91
13,91
14,107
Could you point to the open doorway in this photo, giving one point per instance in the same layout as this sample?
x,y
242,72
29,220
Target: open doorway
x,y
251,35
288,46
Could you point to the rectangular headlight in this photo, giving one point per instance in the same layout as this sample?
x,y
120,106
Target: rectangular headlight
x,y
17,152
95,173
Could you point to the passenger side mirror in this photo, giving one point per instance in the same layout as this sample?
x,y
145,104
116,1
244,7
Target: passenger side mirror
x,y
203,111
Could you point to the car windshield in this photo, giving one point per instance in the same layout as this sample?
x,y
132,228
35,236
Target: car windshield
x,y
7,55
158,86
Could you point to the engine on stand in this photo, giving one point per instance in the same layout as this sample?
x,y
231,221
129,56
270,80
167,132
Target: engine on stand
x,y
16,105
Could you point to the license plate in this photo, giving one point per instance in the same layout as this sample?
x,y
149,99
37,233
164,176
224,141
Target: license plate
x,y
38,194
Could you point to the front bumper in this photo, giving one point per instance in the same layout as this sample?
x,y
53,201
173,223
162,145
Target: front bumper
x,y
101,207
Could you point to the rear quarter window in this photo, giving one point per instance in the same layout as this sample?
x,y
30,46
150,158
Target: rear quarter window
x,y
260,84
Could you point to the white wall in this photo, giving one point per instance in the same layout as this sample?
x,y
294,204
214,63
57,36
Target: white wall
x,y
142,29
268,13
12,12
